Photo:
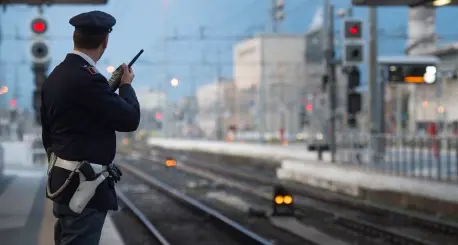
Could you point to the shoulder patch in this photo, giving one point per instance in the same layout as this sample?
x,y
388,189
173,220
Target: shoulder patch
x,y
90,69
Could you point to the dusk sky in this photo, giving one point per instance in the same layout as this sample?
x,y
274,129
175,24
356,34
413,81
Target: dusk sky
x,y
143,24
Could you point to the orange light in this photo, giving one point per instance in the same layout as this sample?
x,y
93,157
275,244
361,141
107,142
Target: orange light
x,y
287,199
279,200
412,79
170,163
4,90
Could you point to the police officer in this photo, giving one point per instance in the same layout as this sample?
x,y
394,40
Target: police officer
x,y
80,115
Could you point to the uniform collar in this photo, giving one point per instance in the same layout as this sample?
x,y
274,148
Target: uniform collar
x,y
85,57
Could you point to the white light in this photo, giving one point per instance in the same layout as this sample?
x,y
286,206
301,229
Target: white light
x,y
429,78
439,3
441,109
174,82
430,74
110,69
431,69
319,136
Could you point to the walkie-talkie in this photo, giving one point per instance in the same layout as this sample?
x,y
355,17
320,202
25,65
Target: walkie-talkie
x,y
115,79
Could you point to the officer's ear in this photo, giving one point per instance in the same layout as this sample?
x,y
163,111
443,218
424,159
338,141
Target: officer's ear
x,y
105,42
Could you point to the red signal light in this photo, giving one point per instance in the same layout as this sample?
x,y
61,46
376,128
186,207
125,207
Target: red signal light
x,y
309,107
39,26
354,30
158,116
13,103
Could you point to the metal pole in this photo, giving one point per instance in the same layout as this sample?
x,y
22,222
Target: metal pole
x,y
262,100
439,106
372,71
273,16
326,38
220,96
332,81
399,93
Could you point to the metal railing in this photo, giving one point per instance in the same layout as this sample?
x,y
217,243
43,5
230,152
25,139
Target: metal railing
x,y
425,157
2,161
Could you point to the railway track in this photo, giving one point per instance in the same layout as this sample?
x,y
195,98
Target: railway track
x,y
385,225
173,218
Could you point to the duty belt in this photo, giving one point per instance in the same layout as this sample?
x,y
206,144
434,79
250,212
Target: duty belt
x,y
74,167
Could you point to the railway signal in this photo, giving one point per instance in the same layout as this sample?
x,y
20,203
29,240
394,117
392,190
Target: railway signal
x,y
40,52
39,48
353,53
354,99
282,202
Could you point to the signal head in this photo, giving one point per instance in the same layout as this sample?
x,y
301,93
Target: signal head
x,y
39,25
353,29
39,50
282,202
353,54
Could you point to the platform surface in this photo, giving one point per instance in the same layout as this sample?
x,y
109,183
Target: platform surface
x,y
307,232
24,210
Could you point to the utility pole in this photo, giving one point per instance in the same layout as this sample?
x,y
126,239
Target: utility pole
x,y
16,83
330,66
220,96
331,71
376,98
277,15
399,94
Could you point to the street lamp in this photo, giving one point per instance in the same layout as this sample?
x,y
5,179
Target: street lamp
x,y
110,69
3,90
174,82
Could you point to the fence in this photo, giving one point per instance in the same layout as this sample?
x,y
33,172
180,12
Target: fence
x,y
2,161
426,157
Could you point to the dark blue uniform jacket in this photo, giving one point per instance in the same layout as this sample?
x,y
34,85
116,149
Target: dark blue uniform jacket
x,y
80,117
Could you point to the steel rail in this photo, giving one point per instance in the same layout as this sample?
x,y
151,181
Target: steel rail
x,y
237,231
361,226
142,218
413,218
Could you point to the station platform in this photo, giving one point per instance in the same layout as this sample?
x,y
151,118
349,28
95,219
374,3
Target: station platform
x,y
26,215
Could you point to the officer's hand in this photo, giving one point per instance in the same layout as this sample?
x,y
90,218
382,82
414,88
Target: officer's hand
x,y
128,75
117,170
115,173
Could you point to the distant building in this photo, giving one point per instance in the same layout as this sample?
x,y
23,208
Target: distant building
x,y
245,109
273,63
151,98
209,96
152,104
